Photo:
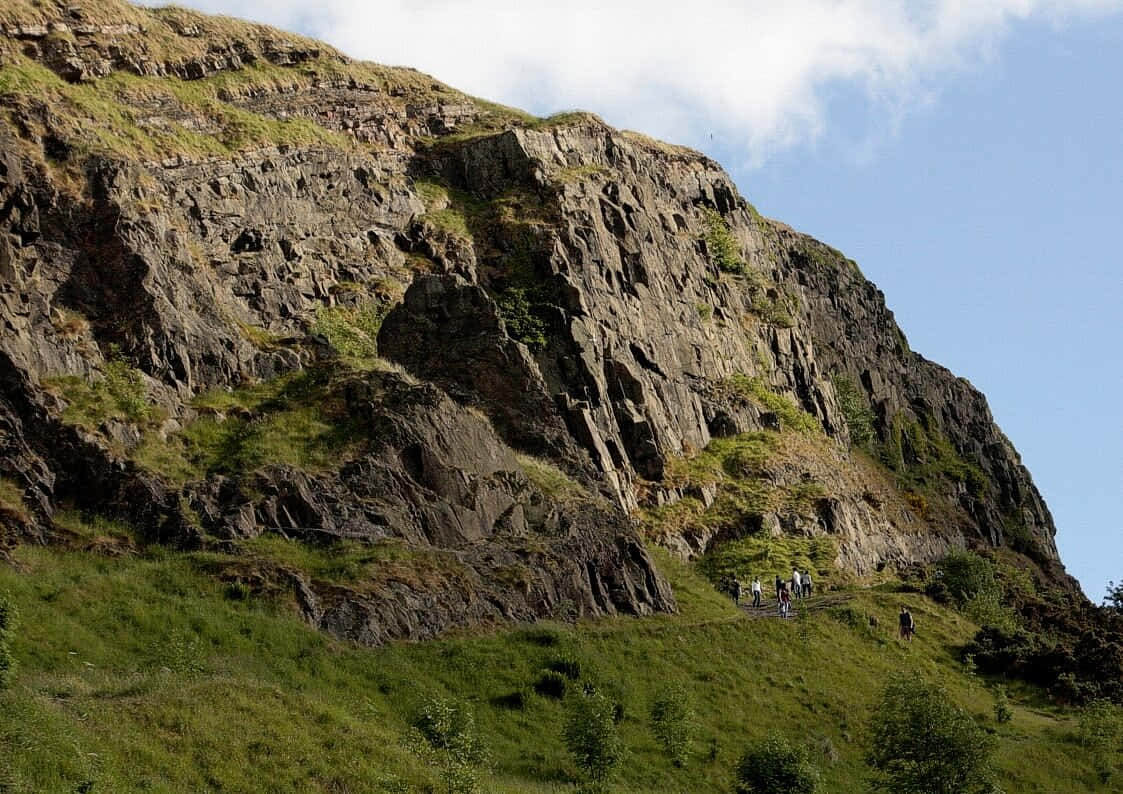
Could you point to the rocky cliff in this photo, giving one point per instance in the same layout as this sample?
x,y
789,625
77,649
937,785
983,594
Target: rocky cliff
x,y
250,287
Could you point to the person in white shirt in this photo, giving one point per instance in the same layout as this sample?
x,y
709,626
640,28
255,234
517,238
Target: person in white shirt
x,y
797,589
756,592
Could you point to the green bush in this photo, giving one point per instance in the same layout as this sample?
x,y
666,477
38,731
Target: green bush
x,y
1002,710
567,665
722,247
551,684
672,722
444,737
590,735
1100,729
9,618
520,314
775,767
124,385
967,574
923,743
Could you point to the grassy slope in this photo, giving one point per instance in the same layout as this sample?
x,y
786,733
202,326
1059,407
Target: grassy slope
x,y
140,673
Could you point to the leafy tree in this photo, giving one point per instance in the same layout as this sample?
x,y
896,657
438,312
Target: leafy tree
x,y
775,767
8,619
672,722
590,735
967,575
1114,598
1101,731
444,737
856,410
923,743
1002,710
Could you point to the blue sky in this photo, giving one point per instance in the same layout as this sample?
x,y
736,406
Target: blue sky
x,y
967,153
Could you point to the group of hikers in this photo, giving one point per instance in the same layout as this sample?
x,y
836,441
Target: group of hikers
x,y
799,586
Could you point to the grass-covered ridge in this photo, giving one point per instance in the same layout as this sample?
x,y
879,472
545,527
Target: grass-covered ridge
x,y
143,672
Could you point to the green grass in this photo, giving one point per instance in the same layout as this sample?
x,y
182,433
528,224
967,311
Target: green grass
x,y
551,480
11,501
139,672
118,393
791,415
293,419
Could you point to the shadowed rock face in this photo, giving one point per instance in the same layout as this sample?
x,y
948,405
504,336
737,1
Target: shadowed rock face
x,y
555,289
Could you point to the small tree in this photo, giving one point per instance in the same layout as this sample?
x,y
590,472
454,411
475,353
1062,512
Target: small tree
x,y
923,743
1002,710
775,767
1101,731
1114,597
8,619
672,722
590,734
444,737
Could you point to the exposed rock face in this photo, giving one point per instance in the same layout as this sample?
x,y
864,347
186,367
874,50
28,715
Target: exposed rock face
x,y
573,284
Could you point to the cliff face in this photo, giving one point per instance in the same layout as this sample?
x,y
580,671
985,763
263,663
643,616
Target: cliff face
x,y
251,287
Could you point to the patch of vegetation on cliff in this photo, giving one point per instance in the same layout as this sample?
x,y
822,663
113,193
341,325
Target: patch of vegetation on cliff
x,y
293,419
735,472
120,393
109,116
923,459
352,331
856,410
142,672
766,556
721,246
754,389
12,505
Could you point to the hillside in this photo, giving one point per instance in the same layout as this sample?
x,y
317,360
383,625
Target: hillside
x,y
303,357
147,673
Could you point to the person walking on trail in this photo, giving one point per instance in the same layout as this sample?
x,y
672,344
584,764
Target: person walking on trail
x,y
785,601
806,581
906,623
735,590
797,588
756,592
779,586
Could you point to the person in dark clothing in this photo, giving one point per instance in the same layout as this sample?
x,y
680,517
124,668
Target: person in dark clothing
x,y
906,623
805,581
779,584
735,590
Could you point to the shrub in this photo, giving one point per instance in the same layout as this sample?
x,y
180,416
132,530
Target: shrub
x,y
722,247
444,737
1114,598
518,309
672,722
966,574
1100,730
124,385
566,665
9,618
775,767
590,735
855,409
1002,710
923,743
551,684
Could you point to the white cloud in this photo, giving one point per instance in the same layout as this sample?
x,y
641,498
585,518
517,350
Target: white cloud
x,y
757,73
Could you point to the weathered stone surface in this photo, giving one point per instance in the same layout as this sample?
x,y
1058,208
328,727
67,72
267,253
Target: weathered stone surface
x,y
211,272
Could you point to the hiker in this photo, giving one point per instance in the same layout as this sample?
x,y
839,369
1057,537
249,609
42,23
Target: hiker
x,y
756,592
785,601
907,625
779,585
797,589
735,590
806,584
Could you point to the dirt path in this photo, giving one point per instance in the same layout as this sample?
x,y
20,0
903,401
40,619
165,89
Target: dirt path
x,y
770,609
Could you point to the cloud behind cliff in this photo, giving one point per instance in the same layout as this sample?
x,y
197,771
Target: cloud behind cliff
x,y
762,75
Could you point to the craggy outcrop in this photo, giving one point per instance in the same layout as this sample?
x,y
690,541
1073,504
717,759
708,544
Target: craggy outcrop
x,y
551,288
